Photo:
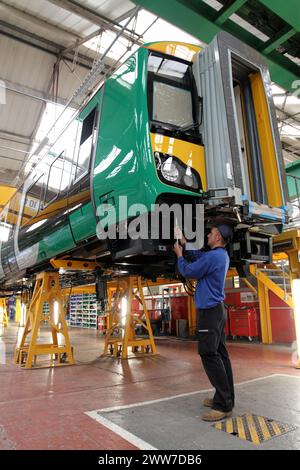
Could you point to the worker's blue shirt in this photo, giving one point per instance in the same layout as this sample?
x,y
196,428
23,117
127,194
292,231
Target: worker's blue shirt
x,y
210,269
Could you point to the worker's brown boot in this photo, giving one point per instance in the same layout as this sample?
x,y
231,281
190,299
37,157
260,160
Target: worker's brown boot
x,y
208,402
215,415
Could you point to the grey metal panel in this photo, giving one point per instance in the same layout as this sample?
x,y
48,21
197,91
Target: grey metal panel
x,y
253,58
214,127
213,74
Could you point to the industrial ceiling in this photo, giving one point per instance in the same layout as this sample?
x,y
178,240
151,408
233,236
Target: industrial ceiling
x,y
48,48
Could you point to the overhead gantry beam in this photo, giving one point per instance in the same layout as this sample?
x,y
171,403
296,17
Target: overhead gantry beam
x,y
288,11
228,10
280,38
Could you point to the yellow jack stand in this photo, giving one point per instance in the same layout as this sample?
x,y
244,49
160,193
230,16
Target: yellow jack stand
x,y
122,322
47,289
3,313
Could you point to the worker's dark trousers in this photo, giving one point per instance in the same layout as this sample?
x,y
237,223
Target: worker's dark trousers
x,y
214,355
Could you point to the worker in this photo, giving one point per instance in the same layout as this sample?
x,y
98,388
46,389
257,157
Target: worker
x,y
210,269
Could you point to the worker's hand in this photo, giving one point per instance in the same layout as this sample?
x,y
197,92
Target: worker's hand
x,y
178,249
179,235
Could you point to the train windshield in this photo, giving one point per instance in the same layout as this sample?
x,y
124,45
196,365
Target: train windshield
x,y
170,89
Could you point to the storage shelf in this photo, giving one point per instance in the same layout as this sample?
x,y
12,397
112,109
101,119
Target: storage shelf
x,y
83,311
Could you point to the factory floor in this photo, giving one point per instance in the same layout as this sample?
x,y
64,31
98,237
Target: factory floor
x,y
153,402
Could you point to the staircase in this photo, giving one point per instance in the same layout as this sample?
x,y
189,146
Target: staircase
x,y
277,279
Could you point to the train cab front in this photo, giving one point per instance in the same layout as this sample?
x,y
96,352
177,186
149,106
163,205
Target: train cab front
x,y
175,115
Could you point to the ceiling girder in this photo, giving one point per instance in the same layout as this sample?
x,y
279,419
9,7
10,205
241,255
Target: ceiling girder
x,y
95,18
43,44
228,10
31,93
279,39
287,10
60,33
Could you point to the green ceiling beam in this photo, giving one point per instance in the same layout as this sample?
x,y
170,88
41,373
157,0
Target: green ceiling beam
x,y
282,76
293,179
275,42
226,12
180,13
289,11
182,16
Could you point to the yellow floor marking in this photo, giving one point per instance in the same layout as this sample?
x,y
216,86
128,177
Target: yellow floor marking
x,y
252,429
264,428
240,427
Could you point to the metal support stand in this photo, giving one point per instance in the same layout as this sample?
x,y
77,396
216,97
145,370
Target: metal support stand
x,y
47,289
3,313
122,323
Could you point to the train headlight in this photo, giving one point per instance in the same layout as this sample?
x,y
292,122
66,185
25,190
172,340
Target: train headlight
x,y
170,171
175,172
189,179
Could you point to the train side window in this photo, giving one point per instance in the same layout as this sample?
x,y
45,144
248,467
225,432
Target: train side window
x,y
85,144
32,200
54,179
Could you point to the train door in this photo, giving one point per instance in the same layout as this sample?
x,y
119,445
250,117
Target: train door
x,y
241,140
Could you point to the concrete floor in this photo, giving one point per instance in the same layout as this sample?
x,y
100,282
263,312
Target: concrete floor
x,y
99,402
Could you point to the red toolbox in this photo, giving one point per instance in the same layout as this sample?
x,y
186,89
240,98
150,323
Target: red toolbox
x,y
243,321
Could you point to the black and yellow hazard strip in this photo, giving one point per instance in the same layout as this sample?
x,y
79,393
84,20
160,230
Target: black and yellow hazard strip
x,y
253,428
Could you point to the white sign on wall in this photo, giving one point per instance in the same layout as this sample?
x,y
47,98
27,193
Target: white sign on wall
x,y
247,297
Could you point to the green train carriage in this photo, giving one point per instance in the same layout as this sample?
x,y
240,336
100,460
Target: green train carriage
x,y
174,123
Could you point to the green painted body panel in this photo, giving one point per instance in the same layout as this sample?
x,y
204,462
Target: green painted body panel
x,y
124,162
55,243
197,18
83,222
